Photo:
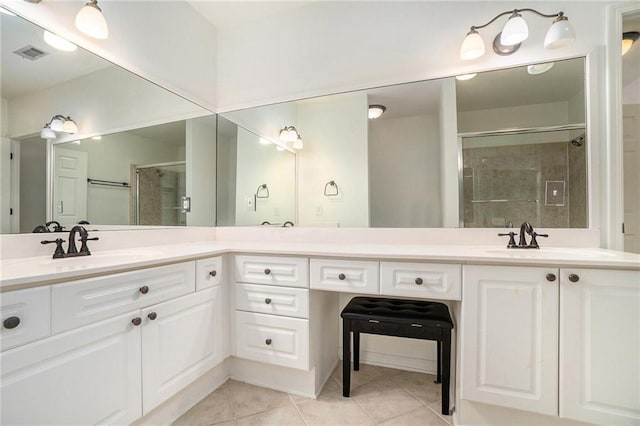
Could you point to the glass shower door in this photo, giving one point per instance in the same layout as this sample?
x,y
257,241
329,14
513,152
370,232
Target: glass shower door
x,y
159,192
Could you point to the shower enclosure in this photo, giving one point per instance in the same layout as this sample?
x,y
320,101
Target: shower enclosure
x,y
533,175
159,192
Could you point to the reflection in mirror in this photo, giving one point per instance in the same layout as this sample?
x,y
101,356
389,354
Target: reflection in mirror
x,y
105,101
524,147
402,167
256,179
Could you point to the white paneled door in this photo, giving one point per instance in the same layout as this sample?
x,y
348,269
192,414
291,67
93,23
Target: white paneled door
x,y
600,346
70,186
510,337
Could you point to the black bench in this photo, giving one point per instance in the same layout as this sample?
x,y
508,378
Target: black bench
x,y
416,319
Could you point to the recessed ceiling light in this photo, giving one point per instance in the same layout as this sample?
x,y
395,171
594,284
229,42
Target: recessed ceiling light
x,y
58,42
539,68
375,111
464,77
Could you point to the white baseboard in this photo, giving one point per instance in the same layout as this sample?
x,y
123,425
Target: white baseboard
x,y
419,365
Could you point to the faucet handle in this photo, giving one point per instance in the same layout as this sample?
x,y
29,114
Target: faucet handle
x,y
534,242
512,241
59,250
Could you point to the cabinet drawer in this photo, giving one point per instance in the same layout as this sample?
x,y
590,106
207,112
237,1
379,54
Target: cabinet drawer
x,y
208,272
274,300
284,271
25,316
274,340
82,302
428,280
351,276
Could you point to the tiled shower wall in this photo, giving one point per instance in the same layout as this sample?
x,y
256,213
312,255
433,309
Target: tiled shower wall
x,y
505,185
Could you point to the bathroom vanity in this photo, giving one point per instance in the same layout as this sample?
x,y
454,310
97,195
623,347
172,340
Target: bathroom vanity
x,y
545,335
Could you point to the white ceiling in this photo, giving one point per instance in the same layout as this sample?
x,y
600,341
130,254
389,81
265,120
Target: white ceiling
x,y
228,14
21,76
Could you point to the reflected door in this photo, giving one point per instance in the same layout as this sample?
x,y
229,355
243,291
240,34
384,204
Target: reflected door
x,y
70,186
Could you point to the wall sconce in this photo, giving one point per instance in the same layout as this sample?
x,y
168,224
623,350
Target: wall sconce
x,y
628,39
376,111
514,32
58,123
290,134
90,21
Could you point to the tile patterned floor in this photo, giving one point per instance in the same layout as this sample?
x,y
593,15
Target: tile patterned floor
x,y
379,395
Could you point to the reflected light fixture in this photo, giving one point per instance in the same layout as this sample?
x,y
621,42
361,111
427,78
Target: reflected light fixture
x,y
516,31
91,22
375,111
58,123
58,42
290,134
628,39
464,77
539,68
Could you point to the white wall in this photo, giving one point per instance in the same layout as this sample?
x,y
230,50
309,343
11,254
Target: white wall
x,y
550,114
111,159
449,180
107,101
266,121
329,47
334,131
631,93
201,170
259,164
401,151
166,41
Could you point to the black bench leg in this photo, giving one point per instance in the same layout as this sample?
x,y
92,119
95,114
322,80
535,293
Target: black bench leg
x,y
356,351
446,370
439,363
346,357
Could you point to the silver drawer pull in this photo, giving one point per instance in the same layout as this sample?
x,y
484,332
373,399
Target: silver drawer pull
x,y
374,321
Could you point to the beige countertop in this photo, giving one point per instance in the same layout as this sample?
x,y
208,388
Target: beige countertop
x,y
32,271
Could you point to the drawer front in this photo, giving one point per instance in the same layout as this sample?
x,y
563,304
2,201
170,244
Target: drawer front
x,y
351,276
208,272
267,299
271,270
25,316
273,340
82,302
427,280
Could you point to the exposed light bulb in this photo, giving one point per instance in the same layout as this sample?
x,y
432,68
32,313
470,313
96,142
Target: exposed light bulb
x,y
58,42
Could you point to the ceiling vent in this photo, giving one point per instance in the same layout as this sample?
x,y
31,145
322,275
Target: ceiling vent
x,y
31,53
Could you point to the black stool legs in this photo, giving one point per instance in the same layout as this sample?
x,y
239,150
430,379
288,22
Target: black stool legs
x,y
438,361
446,368
346,357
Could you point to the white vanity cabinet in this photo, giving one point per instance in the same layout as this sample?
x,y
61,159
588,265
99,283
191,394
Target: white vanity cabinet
x,y
509,337
25,316
122,364
90,375
527,332
351,276
600,346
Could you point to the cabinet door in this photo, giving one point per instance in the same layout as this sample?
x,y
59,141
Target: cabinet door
x,y
509,337
86,376
600,346
184,341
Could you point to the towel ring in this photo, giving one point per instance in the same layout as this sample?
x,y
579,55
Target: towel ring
x,y
262,187
328,192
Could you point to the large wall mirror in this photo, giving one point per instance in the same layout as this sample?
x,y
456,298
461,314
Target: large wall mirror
x,y
140,155
490,150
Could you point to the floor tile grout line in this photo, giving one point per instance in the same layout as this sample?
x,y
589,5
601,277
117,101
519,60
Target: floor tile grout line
x,y
375,422
295,405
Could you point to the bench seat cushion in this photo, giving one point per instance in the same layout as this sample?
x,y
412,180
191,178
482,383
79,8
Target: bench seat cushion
x,y
426,313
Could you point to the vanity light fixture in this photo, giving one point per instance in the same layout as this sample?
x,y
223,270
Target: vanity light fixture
x,y
515,31
90,21
58,123
290,134
464,77
539,68
375,111
58,42
628,39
